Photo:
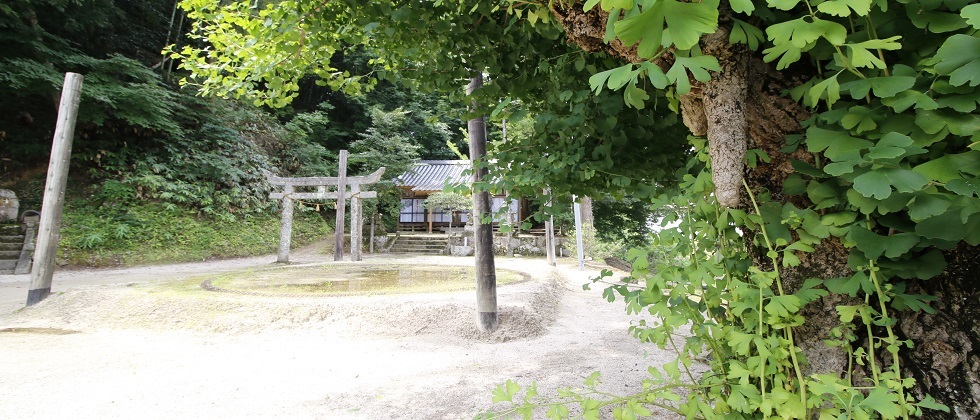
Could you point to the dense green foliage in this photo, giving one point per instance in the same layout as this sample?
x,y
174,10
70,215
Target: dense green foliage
x,y
141,142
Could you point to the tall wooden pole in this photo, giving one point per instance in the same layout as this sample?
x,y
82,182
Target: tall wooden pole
x,y
371,240
286,225
338,243
486,275
356,223
549,234
49,228
577,210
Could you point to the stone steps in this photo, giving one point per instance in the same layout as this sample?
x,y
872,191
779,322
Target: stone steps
x,y
426,245
11,242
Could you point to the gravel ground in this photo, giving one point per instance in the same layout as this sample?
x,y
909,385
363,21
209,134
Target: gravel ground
x,y
149,342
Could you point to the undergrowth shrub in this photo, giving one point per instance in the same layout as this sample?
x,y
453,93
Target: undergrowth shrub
x,y
158,233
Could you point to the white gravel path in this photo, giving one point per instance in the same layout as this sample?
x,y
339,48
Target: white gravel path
x,y
141,345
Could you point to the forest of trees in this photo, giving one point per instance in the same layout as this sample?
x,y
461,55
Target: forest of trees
x,y
821,158
142,139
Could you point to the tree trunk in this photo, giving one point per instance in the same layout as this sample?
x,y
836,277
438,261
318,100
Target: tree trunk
x,y
742,107
486,275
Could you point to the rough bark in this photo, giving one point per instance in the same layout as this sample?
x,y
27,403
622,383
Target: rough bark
x,y
744,100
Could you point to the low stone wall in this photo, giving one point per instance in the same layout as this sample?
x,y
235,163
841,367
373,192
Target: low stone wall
x,y
462,244
521,244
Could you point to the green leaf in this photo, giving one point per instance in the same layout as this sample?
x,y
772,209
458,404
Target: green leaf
x,y
972,15
873,184
909,98
859,119
927,205
698,66
947,226
793,37
686,22
967,187
846,313
870,243
782,4
742,6
898,244
924,267
935,21
959,58
940,169
847,285
836,145
657,77
746,33
884,402
928,402
589,4
608,5
883,87
829,86
505,392
783,306
621,76
842,8
904,180
635,97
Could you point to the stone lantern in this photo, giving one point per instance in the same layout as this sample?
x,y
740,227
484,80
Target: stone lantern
x,y
9,206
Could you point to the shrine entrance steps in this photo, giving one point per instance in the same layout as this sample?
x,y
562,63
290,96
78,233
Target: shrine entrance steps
x,y
11,242
420,244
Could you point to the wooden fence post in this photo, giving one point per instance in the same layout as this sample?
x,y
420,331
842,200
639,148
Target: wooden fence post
x,y
49,228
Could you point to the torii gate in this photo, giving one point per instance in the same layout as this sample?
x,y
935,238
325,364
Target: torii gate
x,y
341,181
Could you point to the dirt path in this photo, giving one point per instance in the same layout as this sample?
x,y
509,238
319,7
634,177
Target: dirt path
x,y
155,350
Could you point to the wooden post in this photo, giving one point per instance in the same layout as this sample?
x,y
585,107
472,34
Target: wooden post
x,y
486,275
371,239
356,223
549,234
338,243
49,227
286,225
577,210
430,220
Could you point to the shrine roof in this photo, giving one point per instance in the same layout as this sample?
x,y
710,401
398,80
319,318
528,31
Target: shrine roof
x,y
432,175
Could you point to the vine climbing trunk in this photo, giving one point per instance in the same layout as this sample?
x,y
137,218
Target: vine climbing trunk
x,y
486,276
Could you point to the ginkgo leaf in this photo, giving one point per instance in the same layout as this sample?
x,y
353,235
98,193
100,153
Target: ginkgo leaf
x,y
972,15
828,86
836,145
883,87
698,66
742,6
686,21
842,8
745,33
959,57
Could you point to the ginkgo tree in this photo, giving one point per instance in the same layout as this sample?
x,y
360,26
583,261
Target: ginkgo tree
x,y
827,192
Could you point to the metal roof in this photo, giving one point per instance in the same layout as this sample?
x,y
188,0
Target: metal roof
x,y
432,175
